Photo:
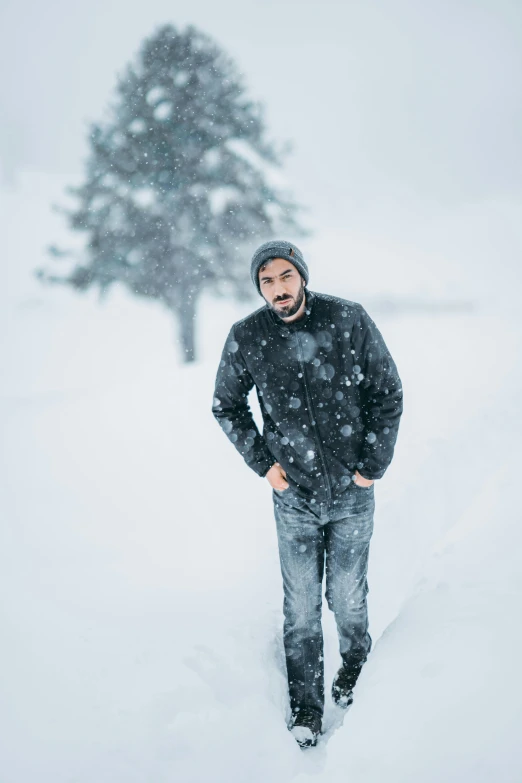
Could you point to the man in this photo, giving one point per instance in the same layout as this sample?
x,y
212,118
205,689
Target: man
x,y
331,401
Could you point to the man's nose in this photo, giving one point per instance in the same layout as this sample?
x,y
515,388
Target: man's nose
x,y
280,291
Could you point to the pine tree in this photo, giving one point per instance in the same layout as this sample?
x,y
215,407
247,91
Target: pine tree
x,y
178,189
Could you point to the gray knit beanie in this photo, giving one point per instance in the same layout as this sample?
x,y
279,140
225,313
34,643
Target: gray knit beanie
x,y
277,248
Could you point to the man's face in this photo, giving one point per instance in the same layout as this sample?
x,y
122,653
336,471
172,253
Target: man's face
x,y
282,286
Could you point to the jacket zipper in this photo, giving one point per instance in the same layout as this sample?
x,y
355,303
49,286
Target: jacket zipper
x,y
313,419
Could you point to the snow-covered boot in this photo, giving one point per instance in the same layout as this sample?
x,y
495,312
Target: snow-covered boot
x,y
343,684
306,727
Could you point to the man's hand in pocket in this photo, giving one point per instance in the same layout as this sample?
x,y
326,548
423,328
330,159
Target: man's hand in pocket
x,y
361,481
277,477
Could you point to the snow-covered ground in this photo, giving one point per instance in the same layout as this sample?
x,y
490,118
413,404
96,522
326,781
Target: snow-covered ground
x,y
141,599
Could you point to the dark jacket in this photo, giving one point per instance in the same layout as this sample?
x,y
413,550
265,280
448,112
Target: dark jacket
x,y
329,392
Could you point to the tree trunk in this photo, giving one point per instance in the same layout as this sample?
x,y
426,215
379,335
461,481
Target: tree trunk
x,y
187,329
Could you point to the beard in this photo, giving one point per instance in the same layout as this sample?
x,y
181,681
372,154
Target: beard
x,y
287,310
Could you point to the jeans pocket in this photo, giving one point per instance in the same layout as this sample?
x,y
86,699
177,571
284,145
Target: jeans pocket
x,y
290,499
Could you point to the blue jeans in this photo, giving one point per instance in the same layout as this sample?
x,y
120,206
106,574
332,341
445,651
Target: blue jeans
x,y
310,536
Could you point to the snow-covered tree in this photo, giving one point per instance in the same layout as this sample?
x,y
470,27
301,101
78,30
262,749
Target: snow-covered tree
x,y
179,183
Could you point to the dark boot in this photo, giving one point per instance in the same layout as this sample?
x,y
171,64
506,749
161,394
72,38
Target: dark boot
x,y
306,727
343,685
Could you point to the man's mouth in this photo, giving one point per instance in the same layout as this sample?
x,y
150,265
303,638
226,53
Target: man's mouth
x,y
283,301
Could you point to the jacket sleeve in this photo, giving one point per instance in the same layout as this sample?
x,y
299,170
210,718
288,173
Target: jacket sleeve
x,y
381,396
232,411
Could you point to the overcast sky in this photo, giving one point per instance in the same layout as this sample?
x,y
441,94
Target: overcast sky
x,y
405,116
387,101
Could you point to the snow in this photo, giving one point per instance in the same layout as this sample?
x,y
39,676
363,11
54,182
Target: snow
x,y
144,197
138,125
156,95
141,606
272,174
163,111
222,197
301,733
